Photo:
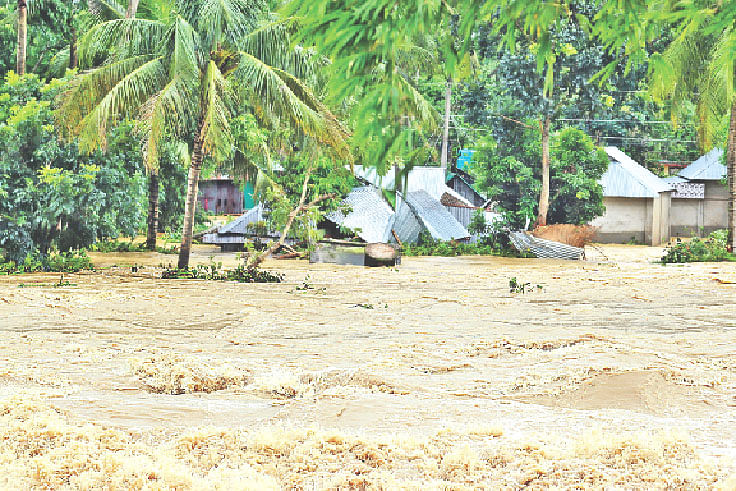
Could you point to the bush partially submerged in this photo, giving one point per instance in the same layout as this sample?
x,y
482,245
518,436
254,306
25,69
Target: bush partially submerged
x,y
241,274
496,244
64,262
712,249
107,246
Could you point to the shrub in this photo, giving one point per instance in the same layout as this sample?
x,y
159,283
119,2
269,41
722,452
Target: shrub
x,y
241,274
712,249
65,262
490,246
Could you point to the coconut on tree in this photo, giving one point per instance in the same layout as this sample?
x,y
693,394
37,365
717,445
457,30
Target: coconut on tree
x,y
184,68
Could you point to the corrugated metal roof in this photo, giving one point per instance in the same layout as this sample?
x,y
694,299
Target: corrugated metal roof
x,y
627,179
240,224
370,216
706,168
435,218
429,179
406,225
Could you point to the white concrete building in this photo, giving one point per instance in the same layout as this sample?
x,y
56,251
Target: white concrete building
x,y
637,203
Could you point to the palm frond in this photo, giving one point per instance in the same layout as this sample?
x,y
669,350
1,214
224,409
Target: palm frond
x,y
217,140
271,43
167,111
124,99
289,97
223,21
106,9
59,63
716,88
132,36
184,51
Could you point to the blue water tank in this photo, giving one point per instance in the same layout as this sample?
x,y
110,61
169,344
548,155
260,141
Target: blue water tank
x,y
463,161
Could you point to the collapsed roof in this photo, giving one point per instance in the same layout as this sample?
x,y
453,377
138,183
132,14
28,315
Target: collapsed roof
x,y
371,218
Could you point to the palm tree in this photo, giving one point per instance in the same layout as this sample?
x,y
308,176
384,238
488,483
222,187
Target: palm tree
x,y
699,66
183,70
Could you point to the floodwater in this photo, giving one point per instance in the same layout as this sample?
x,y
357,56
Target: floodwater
x,y
612,372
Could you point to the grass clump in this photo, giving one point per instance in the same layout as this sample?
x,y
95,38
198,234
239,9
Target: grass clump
x,y
712,249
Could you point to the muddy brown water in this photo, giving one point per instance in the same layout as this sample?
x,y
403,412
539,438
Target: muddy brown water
x,y
620,371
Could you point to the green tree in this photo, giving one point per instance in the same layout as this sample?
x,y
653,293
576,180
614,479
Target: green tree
x,y
513,179
186,70
49,195
369,45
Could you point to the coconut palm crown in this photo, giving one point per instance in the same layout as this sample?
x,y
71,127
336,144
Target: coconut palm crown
x,y
184,68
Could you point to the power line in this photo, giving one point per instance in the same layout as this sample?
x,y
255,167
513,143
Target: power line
x,y
628,138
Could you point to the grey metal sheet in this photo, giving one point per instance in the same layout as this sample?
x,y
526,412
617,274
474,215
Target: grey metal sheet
x,y
369,217
543,248
240,224
706,168
433,216
406,225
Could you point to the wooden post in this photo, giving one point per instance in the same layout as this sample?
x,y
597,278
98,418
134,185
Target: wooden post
x,y
544,193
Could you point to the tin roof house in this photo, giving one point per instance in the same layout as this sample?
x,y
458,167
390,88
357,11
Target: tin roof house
x,y
637,203
700,197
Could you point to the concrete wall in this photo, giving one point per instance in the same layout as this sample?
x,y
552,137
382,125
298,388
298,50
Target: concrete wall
x,y
624,219
700,217
716,206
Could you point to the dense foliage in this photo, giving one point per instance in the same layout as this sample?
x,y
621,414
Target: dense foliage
x,y
511,176
65,262
237,86
51,195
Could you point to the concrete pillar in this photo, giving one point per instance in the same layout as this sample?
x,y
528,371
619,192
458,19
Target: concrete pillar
x,y
661,219
656,220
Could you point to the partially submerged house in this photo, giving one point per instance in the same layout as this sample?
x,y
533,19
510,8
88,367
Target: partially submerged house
x,y
700,197
232,236
371,218
425,203
367,214
637,203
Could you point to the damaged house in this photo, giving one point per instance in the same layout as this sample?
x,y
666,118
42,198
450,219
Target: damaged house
x,y
425,206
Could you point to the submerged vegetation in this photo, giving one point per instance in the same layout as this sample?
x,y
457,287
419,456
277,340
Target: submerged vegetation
x,y
66,262
214,272
714,248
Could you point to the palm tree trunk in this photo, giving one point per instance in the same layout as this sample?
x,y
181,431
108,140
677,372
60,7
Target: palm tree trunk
x,y
73,57
446,128
731,175
22,36
132,9
192,188
152,210
544,193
